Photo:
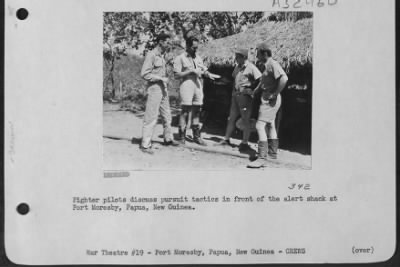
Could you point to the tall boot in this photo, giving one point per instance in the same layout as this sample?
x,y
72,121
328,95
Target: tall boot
x,y
273,145
196,135
262,155
181,135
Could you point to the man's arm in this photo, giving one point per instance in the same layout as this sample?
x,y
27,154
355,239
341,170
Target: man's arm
x,y
258,86
178,69
256,74
281,84
255,78
255,84
280,74
147,68
210,75
204,70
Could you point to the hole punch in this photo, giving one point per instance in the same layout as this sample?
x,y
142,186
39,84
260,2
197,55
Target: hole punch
x,y
22,14
23,208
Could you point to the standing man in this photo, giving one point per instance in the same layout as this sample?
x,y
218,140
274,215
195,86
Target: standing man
x,y
273,80
246,77
154,72
189,68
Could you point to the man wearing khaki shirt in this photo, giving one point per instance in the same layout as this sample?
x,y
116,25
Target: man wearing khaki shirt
x,y
272,82
246,77
154,72
189,68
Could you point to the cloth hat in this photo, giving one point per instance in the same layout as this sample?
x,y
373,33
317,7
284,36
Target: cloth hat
x,y
263,46
242,51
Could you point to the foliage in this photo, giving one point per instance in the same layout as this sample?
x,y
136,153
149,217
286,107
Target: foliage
x,y
134,30
125,31
127,75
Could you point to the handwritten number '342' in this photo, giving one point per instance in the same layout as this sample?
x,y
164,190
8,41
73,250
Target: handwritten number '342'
x,y
299,186
297,3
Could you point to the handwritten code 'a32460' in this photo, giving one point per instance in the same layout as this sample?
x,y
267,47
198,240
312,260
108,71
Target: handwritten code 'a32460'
x,y
303,3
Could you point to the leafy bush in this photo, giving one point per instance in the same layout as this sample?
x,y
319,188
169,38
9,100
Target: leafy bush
x,y
127,76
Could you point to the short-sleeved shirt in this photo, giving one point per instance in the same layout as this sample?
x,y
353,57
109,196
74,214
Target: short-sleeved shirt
x,y
245,76
185,62
270,77
153,67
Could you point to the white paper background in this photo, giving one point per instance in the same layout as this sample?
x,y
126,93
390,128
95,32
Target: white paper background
x,y
53,147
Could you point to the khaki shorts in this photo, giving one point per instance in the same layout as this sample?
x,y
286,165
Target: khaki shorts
x,y
268,113
191,96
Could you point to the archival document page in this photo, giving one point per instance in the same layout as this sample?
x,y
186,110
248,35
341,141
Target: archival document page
x,y
199,132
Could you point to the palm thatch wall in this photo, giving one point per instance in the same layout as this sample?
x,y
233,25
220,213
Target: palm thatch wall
x,y
290,42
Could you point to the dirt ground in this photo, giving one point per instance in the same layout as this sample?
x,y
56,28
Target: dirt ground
x,y
122,133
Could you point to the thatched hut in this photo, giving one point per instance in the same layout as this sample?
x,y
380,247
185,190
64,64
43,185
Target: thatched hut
x,y
292,46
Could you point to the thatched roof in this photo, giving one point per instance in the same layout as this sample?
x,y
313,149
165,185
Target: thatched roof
x,y
291,43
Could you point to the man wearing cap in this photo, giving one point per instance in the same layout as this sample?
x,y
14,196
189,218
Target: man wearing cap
x,y
246,77
154,72
273,81
189,68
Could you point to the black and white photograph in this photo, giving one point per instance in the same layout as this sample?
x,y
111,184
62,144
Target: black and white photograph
x,y
207,90
184,132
